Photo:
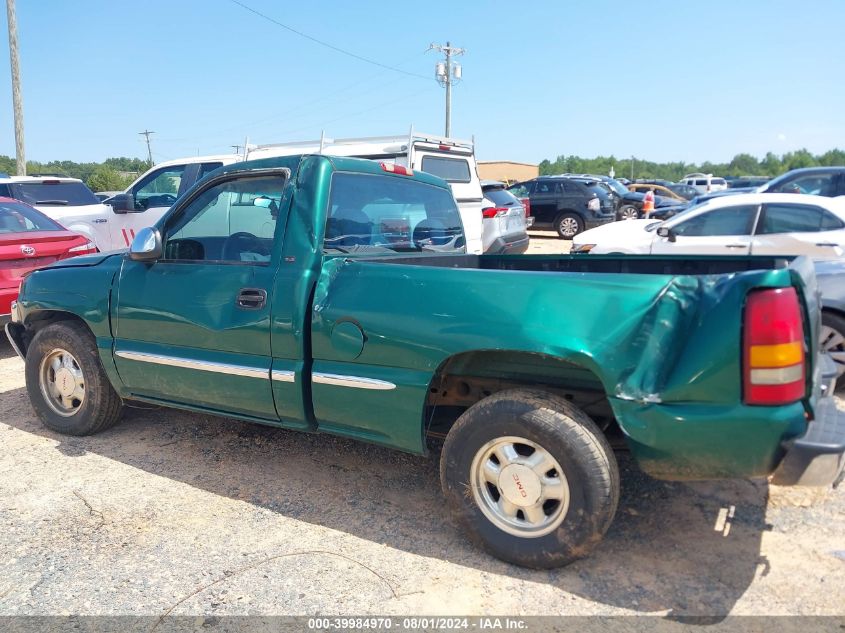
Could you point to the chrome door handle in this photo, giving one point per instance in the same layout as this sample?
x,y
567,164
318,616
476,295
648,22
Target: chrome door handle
x,y
827,244
736,245
252,298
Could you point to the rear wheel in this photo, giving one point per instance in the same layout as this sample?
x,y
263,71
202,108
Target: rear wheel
x,y
530,478
832,339
628,212
568,225
66,383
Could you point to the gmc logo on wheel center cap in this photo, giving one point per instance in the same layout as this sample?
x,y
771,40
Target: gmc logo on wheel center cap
x,y
29,251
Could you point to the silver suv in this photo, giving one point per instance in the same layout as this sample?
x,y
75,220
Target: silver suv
x,y
504,228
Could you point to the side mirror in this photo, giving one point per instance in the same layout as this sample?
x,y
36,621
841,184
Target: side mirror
x,y
665,231
146,247
122,203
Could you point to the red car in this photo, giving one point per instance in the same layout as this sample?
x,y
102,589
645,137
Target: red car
x,y
30,240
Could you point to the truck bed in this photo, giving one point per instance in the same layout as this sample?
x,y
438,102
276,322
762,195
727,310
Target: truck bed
x,y
632,264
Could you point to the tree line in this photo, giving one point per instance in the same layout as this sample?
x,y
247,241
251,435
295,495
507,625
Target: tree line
x,y
113,174
741,165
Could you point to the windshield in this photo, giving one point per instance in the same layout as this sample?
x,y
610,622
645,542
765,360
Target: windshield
x,y
18,218
617,186
386,214
53,192
680,214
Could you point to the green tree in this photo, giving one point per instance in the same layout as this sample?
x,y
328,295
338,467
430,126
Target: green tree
x,y
107,179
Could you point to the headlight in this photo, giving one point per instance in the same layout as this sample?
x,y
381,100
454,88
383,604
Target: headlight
x,y
582,248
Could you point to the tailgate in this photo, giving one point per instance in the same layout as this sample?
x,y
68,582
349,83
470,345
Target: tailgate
x,y
803,276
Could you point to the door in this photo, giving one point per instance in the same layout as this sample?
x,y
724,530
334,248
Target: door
x,y
194,326
720,231
544,200
799,229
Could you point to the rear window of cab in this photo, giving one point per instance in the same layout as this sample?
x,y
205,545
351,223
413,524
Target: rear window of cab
x,y
373,213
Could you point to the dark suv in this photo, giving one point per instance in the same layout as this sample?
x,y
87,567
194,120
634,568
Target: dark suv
x,y
568,206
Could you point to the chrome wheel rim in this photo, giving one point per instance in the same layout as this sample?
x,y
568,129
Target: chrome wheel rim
x,y
833,343
62,382
519,487
569,227
630,214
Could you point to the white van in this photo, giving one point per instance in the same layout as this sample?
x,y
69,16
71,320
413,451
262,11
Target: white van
x,y
704,183
449,158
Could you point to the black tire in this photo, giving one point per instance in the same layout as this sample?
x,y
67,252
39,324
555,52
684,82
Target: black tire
x,y
99,408
626,211
833,343
564,432
568,225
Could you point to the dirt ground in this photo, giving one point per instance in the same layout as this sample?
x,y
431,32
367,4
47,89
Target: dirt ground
x,y
173,513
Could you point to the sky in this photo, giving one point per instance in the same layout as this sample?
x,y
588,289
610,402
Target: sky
x,y
664,81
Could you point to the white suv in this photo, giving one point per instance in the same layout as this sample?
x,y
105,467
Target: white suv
x,y
704,183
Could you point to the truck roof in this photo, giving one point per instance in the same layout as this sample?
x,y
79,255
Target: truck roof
x,y
340,163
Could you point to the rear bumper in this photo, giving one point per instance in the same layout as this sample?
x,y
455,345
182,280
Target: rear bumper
x,y
817,457
509,245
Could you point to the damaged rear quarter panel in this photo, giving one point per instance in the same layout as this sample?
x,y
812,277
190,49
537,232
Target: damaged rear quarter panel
x,y
666,349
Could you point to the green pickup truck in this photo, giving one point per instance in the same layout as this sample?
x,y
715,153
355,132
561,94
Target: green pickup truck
x,y
334,295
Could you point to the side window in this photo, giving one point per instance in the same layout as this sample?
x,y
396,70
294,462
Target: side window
x,y
4,191
158,189
797,218
234,221
545,187
819,185
449,169
724,221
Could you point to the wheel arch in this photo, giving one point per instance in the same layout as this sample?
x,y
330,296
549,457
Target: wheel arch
x,y
468,377
23,333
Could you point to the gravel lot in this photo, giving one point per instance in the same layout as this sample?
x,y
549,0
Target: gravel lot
x,y
177,513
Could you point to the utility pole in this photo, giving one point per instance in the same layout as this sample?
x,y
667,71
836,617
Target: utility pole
x,y
632,168
147,133
447,73
17,101
237,148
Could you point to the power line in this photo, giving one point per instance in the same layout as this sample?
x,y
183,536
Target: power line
x,y
327,45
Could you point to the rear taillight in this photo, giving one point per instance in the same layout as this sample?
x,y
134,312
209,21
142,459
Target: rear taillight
x,y
494,212
397,169
773,348
82,249
526,202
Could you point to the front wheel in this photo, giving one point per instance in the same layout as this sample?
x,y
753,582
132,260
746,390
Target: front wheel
x,y
628,212
66,383
568,225
530,478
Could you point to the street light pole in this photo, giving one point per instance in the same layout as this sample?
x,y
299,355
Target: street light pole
x,y
17,100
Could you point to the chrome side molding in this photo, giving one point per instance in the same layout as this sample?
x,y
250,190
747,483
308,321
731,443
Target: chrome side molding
x,y
200,365
357,382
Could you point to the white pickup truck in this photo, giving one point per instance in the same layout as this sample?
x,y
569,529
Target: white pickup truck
x,y
453,160
72,204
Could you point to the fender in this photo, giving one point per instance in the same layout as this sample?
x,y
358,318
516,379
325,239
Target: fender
x,y
86,230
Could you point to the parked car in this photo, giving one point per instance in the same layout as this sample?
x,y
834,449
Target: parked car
x,y
567,206
745,224
343,324
704,183
30,240
819,181
73,205
659,190
747,182
628,204
504,225
687,192
831,279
